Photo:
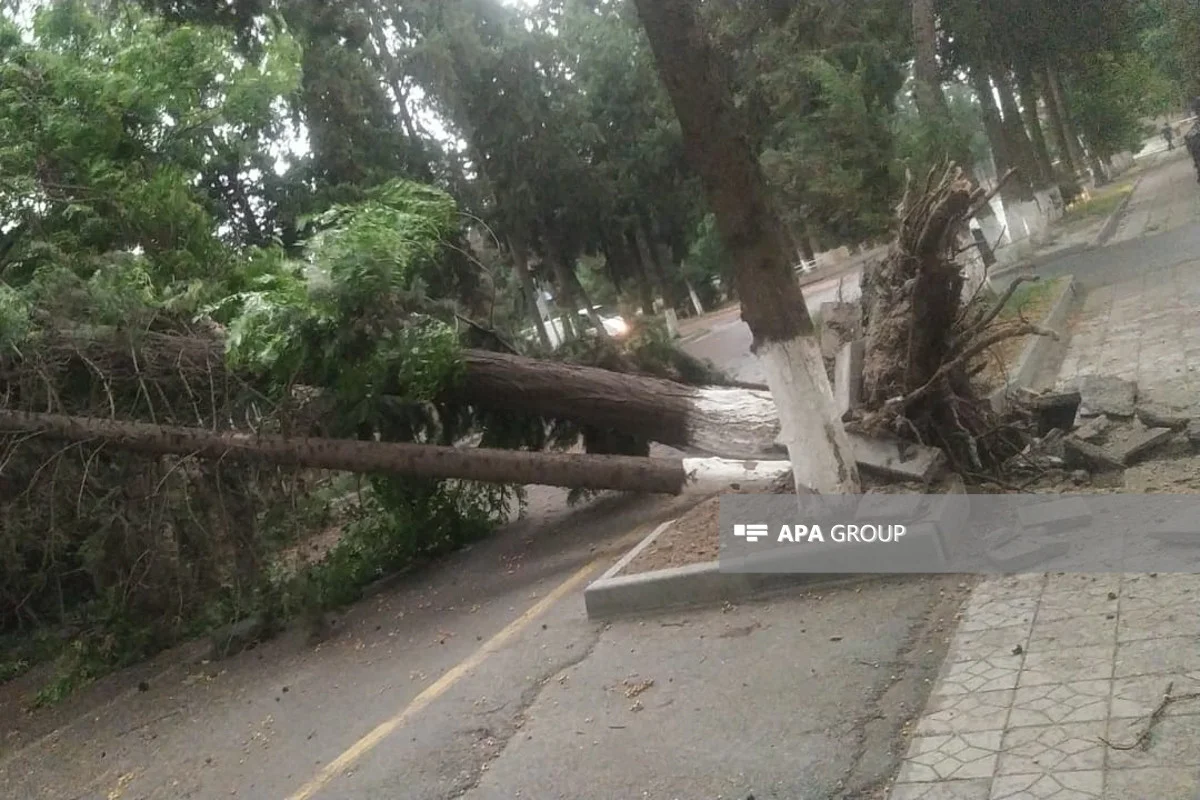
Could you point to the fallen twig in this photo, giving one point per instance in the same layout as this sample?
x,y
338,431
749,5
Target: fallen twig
x,y
1143,740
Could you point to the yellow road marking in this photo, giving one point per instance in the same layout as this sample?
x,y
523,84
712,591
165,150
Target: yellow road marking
x,y
367,743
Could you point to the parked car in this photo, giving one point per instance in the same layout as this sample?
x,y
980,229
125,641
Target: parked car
x,y
614,324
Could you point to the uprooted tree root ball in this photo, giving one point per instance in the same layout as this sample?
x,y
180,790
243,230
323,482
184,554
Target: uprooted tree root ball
x,y
924,341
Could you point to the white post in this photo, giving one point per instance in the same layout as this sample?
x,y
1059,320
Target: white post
x,y
695,299
672,322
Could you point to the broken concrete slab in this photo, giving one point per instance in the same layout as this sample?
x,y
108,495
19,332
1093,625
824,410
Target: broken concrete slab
x,y
1055,515
1193,432
1136,442
909,462
1023,554
874,507
1160,416
1079,454
1054,410
1104,394
847,376
1094,429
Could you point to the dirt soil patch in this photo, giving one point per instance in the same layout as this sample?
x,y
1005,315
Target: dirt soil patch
x,y
691,539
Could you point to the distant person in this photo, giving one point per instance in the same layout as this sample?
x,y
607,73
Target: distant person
x,y
1192,140
1169,134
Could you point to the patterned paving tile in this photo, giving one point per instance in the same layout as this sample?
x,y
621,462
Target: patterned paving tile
x,y
1152,784
1079,631
998,612
1055,703
984,675
963,713
1153,622
1001,587
1157,656
989,643
978,789
1081,785
1164,591
960,755
1052,749
1069,605
1088,584
1173,742
1067,664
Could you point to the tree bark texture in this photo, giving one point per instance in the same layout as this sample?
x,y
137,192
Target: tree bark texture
x,y
1033,122
1015,189
931,103
1021,153
1068,124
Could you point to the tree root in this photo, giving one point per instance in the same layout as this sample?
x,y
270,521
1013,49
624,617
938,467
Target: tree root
x,y
924,341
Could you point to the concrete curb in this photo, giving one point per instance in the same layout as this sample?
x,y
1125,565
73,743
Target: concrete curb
x,y
693,586
1114,220
1038,348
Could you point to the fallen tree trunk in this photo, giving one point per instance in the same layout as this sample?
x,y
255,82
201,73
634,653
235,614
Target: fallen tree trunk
x,y
716,420
620,473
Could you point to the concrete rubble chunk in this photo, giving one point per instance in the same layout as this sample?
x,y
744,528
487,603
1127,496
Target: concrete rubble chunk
x,y
1079,454
1136,443
1054,410
1055,515
1094,429
1193,432
847,376
1022,555
1104,394
888,507
910,462
1157,416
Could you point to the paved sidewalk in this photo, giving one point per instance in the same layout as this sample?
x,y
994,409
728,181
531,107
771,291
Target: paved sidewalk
x,y
1167,197
1042,672
1144,330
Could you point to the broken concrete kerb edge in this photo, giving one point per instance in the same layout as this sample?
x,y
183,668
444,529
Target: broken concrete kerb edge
x,y
613,595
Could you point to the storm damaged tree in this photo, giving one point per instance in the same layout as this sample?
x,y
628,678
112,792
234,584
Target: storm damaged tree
x,y
924,343
772,304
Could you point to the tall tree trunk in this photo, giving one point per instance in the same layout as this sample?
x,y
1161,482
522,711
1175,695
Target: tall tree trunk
x,y
1058,130
1016,189
1068,124
931,102
598,472
521,265
1021,152
652,265
567,299
1033,121
804,240
772,305
645,287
